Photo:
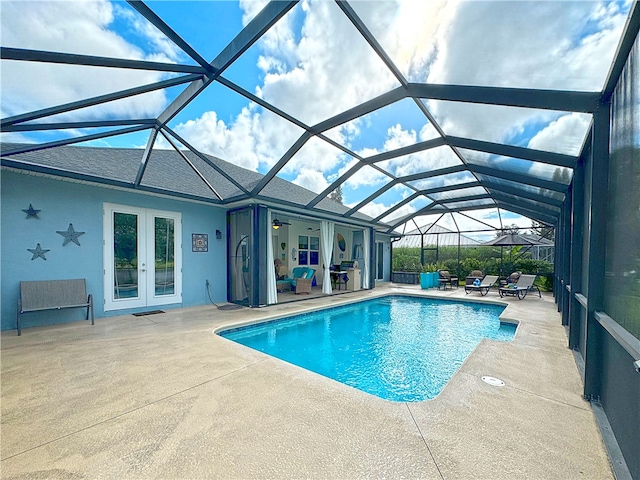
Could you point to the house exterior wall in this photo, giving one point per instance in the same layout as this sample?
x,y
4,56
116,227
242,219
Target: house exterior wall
x,y
63,202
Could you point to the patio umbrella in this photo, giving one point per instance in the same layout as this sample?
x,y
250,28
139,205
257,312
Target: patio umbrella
x,y
512,240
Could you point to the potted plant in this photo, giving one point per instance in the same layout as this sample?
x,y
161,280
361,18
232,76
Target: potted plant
x,y
428,276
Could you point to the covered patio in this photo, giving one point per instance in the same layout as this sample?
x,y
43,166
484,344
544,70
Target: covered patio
x,y
193,146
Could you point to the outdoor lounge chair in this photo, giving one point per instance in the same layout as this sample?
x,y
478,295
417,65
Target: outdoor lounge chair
x,y
446,278
520,289
484,286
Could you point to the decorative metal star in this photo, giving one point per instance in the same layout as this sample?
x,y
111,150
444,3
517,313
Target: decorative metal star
x,y
70,235
32,212
38,252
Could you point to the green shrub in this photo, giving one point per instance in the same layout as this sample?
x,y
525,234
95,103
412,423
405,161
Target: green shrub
x,y
483,258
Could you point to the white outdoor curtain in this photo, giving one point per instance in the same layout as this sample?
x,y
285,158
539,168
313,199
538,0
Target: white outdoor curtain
x,y
365,258
326,246
272,294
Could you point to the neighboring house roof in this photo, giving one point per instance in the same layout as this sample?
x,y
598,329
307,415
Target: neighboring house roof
x,y
544,242
435,235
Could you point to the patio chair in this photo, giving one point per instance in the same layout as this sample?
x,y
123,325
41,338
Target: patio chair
x,y
482,286
446,278
513,278
281,269
471,278
520,289
302,279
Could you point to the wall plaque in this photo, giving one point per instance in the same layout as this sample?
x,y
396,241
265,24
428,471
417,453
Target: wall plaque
x,y
199,242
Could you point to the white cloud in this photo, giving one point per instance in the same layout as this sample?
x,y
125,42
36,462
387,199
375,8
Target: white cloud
x,y
324,77
411,207
497,44
14,137
164,50
255,138
344,134
397,137
311,179
564,135
511,44
372,209
364,177
81,27
251,8
428,132
305,74
411,32
387,201
527,47
211,135
315,154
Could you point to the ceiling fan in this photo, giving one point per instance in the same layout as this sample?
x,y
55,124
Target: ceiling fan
x,y
277,223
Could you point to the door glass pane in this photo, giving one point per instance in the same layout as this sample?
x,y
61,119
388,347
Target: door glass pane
x,y
239,255
164,234
125,254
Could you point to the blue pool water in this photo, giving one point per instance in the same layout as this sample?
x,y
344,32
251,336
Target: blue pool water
x,y
399,348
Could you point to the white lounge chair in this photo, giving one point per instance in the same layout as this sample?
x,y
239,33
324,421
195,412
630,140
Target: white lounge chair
x,y
520,290
484,287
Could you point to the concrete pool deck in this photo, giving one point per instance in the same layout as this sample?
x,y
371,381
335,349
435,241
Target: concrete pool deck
x,y
161,396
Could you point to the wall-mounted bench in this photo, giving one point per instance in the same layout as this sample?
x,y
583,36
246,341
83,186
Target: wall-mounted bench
x,y
40,295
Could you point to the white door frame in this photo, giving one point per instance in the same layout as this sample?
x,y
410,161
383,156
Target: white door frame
x,y
146,273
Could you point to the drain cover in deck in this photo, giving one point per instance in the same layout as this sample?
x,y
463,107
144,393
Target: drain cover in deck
x,y
493,381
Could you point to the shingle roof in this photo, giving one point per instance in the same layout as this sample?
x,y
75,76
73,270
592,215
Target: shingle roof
x,y
166,172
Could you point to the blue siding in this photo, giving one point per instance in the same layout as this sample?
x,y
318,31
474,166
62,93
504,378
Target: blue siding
x,y
63,202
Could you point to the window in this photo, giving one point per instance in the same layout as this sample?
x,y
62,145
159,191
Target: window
x,y
314,250
303,250
308,250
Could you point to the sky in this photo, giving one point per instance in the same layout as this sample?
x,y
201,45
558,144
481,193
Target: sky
x,y
314,64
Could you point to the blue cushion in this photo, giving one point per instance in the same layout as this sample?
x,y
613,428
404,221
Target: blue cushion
x,y
299,271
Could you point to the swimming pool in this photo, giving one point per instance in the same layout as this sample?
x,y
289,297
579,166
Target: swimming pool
x,y
399,348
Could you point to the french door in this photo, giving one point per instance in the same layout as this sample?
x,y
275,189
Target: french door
x,y
142,257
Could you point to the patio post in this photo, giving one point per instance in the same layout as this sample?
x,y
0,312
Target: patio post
x,y
597,246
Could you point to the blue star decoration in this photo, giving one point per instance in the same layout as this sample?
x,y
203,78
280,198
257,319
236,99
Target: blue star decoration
x,y
70,235
38,252
32,212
